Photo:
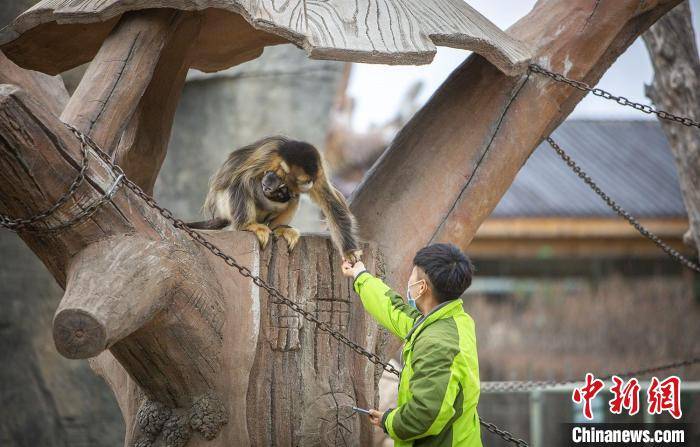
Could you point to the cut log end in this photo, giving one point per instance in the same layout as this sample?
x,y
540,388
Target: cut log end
x,y
78,335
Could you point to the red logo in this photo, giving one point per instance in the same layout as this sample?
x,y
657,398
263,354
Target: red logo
x,y
661,396
587,393
626,396
665,396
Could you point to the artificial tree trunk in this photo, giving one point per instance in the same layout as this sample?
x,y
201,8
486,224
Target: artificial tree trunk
x,y
193,350
676,89
450,165
54,401
201,354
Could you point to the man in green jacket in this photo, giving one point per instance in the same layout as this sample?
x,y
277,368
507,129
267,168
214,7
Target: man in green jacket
x,y
439,385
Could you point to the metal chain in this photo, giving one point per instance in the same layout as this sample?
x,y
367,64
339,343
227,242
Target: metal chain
x,y
505,435
580,85
244,271
280,298
673,253
258,281
513,386
84,213
26,222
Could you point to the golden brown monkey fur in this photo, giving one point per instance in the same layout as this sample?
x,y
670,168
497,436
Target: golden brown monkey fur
x,y
236,196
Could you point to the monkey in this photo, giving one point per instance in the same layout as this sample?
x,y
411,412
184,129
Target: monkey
x,y
258,187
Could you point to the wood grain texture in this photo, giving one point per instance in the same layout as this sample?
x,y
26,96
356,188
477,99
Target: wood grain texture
x,y
47,89
373,31
676,89
172,355
39,159
302,377
117,78
144,142
449,166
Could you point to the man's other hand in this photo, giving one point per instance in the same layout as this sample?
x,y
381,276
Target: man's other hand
x,y
375,417
350,270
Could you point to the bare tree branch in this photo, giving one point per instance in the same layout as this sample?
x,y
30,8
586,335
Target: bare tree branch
x,y
676,89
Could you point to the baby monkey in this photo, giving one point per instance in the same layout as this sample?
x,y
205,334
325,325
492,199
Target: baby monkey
x,y
257,189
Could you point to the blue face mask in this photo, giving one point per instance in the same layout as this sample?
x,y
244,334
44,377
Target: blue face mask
x,y
411,301
409,297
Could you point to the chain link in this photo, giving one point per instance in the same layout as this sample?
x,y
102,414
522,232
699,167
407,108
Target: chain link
x,y
84,213
279,298
25,223
580,85
673,253
505,435
515,386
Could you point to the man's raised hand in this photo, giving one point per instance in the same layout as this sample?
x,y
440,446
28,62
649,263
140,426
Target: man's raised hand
x,y
351,270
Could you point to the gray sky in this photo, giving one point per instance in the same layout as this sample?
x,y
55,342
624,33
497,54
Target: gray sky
x,y
378,89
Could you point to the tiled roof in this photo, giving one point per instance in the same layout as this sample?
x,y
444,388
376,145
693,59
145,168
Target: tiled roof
x,y
630,160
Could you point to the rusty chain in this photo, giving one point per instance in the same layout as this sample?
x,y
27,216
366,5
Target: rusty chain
x,y
673,253
26,222
580,85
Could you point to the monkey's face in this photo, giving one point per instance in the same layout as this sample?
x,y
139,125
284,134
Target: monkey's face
x,y
285,181
274,188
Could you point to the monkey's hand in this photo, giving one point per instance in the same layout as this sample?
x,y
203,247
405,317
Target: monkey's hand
x,y
352,256
290,234
262,232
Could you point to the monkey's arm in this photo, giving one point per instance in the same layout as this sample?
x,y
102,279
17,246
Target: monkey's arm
x,y
244,211
341,222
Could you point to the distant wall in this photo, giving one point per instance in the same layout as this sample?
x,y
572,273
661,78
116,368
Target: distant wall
x,y
542,328
556,322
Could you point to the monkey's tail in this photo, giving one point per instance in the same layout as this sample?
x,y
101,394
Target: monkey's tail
x,y
214,224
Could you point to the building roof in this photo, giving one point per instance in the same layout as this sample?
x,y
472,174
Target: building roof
x,y
629,160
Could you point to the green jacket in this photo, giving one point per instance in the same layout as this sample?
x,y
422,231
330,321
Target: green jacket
x,y
439,385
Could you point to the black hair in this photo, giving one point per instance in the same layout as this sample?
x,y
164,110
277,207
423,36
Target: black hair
x,y
448,269
302,154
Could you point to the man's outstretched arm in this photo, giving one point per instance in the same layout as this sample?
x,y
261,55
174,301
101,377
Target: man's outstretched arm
x,y
385,305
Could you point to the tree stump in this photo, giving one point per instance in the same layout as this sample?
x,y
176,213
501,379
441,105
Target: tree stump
x,y
279,381
193,350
